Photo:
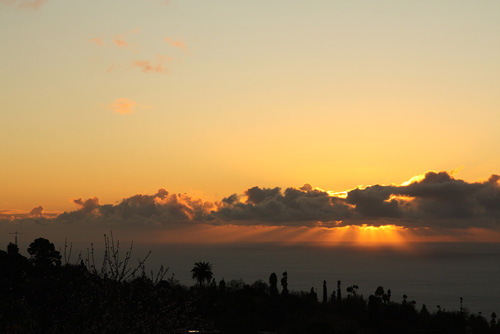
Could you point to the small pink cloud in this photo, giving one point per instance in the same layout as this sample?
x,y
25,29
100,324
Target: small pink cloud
x,y
112,68
25,4
147,66
122,106
32,4
136,30
98,41
120,42
176,43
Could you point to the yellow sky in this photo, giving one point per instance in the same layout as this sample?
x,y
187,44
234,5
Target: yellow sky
x,y
211,98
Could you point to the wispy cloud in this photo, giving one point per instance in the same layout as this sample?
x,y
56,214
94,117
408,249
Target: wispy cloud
x,y
136,30
36,212
156,66
122,106
179,43
112,68
120,42
98,41
24,4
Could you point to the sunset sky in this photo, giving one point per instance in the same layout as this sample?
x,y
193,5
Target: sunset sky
x,y
104,100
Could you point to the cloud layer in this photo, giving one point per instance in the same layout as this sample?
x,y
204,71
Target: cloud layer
x,y
437,200
25,4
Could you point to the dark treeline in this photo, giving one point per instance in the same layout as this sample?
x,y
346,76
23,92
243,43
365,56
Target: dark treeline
x,y
44,293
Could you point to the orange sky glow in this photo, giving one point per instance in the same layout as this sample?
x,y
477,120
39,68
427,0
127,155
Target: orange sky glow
x,y
288,217
232,106
361,236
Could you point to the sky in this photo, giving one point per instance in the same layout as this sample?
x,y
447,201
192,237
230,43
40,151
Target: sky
x,y
106,102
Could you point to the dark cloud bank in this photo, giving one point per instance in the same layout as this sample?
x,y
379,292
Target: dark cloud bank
x,y
437,201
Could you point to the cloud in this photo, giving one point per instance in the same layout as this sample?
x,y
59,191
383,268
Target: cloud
x,y
434,202
457,203
176,43
37,212
126,106
136,30
88,206
293,207
122,106
25,4
98,41
112,68
35,4
160,209
147,66
13,214
120,42
437,200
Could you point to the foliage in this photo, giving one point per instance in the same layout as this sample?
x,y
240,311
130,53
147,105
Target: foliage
x,y
43,253
40,295
202,272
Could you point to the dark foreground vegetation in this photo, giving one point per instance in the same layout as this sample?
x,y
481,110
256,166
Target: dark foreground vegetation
x,y
44,293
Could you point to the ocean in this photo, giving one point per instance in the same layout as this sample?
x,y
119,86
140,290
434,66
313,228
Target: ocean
x,y
429,273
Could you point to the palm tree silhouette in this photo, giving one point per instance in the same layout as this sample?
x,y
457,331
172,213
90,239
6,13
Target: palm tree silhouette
x,y
202,272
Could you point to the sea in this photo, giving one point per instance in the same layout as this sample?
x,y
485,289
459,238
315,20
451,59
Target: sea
x,y
434,274
437,274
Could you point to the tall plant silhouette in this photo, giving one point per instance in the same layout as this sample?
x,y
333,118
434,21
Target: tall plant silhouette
x,y
284,284
325,293
43,253
202,272
273,282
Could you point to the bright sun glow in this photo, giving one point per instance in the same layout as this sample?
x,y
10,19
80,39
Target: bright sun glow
x,y
362,236
375,235
400,198
340,194
414,179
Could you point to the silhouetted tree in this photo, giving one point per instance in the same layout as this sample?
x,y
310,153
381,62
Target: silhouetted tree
x,y
423,311
339,291
352,290
202,272
387,296
222,285
13,267
325,293
260,286
73,299
284,284
375,310
273,285
43,253
12,249
313,294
